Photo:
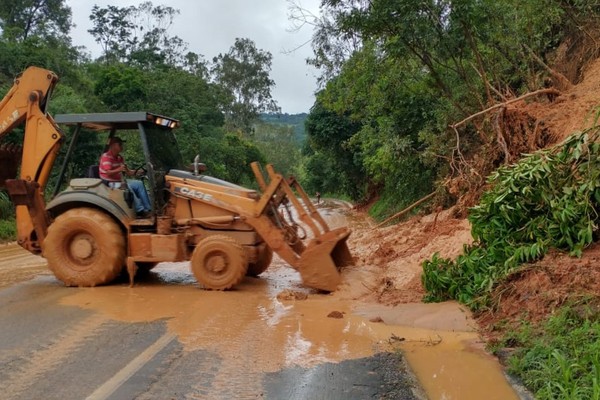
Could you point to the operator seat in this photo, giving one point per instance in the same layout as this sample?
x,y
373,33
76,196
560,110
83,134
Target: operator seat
x,y
93,172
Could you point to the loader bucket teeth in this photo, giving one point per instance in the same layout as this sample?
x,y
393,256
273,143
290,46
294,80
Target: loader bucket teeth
x,y
320,263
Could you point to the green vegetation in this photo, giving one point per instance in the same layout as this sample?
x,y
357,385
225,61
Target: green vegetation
x,y
561,358
549,199
294,121
7,210
395,74
8,228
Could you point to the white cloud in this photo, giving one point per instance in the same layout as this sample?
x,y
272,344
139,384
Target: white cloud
x,y
210,28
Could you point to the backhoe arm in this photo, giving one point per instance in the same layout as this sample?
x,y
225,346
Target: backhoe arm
x,y
26,102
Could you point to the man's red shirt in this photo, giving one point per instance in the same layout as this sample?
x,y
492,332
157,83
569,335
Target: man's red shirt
x,y
109,162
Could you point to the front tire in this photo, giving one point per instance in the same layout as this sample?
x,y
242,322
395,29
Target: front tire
x,y
265,256
84,247
219,262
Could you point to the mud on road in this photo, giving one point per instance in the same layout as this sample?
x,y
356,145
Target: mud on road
x,y
17,265
166,338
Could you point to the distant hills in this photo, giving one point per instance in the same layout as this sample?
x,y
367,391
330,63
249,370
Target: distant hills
x,y
295,121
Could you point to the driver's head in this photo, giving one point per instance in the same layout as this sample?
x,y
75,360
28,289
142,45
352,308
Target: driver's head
x,y
115,144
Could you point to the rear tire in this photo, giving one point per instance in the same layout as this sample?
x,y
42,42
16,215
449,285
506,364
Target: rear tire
x,y
265,256
84,247
219,262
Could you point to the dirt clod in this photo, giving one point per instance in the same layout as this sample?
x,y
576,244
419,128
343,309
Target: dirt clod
x,y
376,319
335,314
288,294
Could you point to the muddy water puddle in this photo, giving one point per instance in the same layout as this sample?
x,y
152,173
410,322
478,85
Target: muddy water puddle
x,y
250,326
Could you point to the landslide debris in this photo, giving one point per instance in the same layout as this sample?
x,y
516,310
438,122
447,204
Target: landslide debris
x,y
389,259
542,288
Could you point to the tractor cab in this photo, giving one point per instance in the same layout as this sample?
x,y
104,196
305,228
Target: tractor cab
x,y
150,147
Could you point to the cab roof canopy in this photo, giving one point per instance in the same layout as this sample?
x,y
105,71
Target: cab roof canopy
x,y
116,120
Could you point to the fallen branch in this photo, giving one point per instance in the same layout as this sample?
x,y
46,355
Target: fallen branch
x,y
407,209
500,105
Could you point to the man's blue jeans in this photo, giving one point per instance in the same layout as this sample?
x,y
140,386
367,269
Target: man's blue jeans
x,y
141,202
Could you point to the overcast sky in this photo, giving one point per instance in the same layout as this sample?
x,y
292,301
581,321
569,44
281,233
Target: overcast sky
x,y
211,26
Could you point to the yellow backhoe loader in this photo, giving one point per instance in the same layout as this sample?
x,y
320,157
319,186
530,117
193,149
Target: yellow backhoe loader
x,y
89,232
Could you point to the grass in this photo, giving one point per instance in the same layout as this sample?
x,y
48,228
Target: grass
x,y
8,230
561,358
8,226
7,209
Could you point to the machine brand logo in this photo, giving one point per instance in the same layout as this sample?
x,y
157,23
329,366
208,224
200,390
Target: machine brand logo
x,y
193,193
9,120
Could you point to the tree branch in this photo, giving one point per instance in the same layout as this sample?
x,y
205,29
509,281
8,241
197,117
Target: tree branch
x,y
499,105
407,209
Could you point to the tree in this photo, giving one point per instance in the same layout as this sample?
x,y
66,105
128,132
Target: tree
x,y
138,35
403,71
278,143
121,88
333,166
243,76
113,30
20,19
332,44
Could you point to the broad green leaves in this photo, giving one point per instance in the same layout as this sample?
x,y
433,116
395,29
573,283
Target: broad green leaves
x,y
547,200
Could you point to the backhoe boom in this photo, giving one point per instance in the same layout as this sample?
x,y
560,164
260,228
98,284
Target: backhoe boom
x,y
26,102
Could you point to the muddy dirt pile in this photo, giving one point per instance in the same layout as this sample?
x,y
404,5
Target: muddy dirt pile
x,y
574,110
388,260
541,288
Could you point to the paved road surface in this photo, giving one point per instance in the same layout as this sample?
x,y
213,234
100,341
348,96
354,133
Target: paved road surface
x,y
167,339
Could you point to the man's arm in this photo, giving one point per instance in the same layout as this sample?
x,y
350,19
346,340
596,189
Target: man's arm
x,y
120,168
129,172
106,166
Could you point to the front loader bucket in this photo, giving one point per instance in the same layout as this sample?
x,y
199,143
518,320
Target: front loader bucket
x,y
321,261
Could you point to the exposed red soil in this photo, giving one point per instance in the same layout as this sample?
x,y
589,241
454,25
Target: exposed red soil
x,y
574,110
538,290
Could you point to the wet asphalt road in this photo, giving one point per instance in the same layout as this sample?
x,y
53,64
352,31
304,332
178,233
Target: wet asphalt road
x,y
53,351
